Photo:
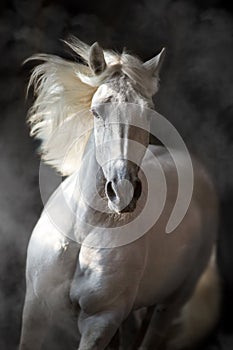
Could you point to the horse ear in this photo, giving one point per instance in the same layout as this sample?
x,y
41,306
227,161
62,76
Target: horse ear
x,y
96,59
154,64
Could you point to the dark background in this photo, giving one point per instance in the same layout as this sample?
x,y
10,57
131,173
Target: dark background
x,y
196,94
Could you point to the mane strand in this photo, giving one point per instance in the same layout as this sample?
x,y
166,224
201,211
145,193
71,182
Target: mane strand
x,y
62,105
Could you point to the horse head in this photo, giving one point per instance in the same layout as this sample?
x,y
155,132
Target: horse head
x,y
121,121
111,92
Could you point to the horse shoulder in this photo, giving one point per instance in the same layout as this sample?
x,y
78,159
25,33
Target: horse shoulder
x,y
51,257
106,278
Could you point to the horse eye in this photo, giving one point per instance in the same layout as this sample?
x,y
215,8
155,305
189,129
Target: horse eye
x,y
95,113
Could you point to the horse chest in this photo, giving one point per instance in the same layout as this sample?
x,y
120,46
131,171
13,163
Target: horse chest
x,y
104,275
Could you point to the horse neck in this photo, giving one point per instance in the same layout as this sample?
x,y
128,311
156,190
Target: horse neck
x,y
89,166
91,176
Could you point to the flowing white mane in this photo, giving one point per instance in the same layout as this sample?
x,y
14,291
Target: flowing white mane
x,y
60,115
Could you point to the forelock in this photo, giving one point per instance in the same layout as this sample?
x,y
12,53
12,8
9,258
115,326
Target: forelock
x,y
117,65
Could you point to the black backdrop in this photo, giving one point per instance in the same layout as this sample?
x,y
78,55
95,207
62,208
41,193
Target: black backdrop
x,y
196,94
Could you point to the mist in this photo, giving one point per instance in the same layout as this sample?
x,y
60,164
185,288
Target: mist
x,y
196,95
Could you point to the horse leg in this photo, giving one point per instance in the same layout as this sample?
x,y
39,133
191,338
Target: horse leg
x,y
34,323
115,342
48,323
200,313
160,322
165,314
130,327
98,330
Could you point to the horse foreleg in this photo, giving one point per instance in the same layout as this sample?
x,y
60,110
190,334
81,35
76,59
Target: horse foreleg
x,y
160,322
34,324
98,330
115,342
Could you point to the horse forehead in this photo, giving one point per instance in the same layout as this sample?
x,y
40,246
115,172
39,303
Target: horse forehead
x,y
119,90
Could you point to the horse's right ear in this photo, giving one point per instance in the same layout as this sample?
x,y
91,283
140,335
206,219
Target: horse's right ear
x,y
96,59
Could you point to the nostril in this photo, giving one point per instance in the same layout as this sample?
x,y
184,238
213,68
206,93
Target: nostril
x,y
137,189
110,191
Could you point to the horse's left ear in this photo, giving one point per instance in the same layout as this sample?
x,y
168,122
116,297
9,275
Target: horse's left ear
x,y
154,64
96,59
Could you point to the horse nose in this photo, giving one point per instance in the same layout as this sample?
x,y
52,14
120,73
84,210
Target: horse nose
x,y
123,194
111,191
137,189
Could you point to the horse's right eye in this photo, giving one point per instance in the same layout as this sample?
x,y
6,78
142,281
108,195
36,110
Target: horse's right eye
x,y
95,113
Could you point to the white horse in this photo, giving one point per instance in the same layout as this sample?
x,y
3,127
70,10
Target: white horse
x,y
86,254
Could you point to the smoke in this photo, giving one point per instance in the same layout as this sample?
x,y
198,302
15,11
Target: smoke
x,y
195,95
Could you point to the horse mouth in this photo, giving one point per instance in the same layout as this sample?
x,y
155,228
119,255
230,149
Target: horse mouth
x,y
126,209
130,207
